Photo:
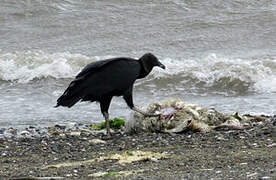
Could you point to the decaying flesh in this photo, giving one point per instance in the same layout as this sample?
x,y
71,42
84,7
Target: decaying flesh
x,y
178,116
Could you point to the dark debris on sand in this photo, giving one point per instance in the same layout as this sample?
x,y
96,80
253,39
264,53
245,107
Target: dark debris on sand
x,y
235,154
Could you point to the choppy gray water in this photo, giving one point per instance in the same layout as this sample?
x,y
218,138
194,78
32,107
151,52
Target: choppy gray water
x,y
219,54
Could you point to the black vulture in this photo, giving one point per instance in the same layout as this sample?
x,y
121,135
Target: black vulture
x,y
101,80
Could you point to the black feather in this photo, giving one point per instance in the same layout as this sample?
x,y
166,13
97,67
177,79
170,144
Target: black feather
x,y
101,80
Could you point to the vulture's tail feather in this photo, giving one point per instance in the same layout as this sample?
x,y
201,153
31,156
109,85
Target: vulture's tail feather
x,y
72,94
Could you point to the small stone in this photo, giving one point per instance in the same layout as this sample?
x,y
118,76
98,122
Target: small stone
x,y
271,145
54,133
51,127
96,141
12,131
243,163
75,133
25,133
2,130
252,174
265,177
60,127
221,138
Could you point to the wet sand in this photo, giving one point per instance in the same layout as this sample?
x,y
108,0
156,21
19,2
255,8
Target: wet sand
x,y
234,154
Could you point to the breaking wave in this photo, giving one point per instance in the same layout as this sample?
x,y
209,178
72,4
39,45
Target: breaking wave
x,y
212,72
220,74
23,67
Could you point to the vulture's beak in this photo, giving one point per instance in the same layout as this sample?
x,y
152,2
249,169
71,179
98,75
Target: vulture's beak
x,y
162,66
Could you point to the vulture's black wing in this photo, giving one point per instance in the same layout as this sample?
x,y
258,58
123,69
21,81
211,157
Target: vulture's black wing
x,y
110,77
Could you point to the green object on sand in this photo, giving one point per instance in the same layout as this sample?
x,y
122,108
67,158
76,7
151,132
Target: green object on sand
x,y
115,123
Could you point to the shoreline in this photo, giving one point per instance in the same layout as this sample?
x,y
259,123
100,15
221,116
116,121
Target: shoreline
x,y
236,154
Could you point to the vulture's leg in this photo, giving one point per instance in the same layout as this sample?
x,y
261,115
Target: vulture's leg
x,y
128,98
104,103
106,117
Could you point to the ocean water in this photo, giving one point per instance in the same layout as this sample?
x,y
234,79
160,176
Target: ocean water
x,y
219,54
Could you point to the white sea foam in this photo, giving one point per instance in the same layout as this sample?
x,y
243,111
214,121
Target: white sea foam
x,y
211,71
221,72
23,67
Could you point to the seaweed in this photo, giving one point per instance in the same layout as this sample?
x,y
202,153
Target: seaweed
x,y
116,123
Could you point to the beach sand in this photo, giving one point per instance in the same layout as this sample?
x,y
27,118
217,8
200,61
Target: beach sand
x,y
235,154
